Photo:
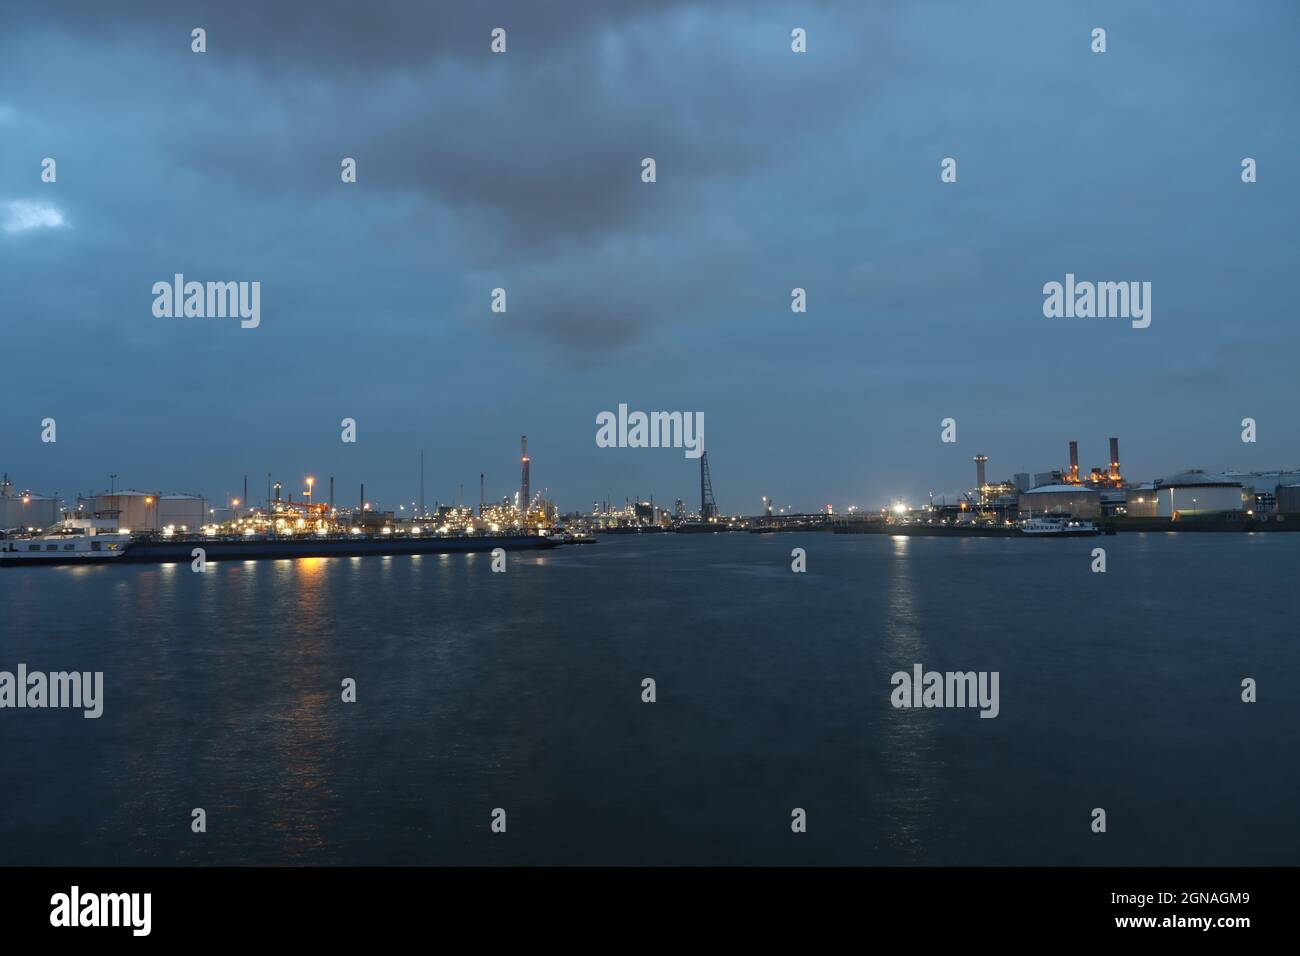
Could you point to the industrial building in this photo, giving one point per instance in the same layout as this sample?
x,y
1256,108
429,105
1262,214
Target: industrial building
x,y
1200,493
182,512
1288,499
1077,500
26,509
1261,487
1107,477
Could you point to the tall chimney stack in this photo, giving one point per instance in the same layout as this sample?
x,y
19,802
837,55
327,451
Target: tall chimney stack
x,y
979,475
1074,462
1114,459
523,489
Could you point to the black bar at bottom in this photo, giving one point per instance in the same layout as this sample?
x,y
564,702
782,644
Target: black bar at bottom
x,y
334,905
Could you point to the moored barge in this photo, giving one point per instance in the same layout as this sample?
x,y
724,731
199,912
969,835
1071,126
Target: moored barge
x,y
95,547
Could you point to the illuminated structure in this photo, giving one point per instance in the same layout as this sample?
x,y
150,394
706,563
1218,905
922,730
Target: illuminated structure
x,y
1066,499
523,487
182,511
980,482
1200,493
1108,477
708,507
26,510
134,510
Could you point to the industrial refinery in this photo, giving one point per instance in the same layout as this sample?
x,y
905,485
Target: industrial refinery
x,y
1192,500
1099,499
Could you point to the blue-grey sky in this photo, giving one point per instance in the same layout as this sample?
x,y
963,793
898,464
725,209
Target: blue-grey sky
x,y
523,170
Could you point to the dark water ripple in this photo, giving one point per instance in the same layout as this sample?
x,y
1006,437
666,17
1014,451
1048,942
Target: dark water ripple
x,y
522,691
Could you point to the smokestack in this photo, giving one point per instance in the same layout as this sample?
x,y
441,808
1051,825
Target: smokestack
x,y
1114,458
245,498
704,498
480,494
523,490
363,501
1074,462
979,473
331,492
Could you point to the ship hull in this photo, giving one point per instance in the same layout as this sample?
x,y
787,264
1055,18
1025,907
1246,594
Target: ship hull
x,y
53,558
931,531
950,531
260,549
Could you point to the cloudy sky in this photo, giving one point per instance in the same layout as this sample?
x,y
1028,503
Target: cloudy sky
x,y
522,170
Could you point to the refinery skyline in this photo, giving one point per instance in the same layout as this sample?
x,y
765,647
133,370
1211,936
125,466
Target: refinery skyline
x,y
257,490
922,298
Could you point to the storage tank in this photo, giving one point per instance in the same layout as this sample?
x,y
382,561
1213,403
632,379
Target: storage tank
x,y
1141,501
29,510
1077,500
136,510
182,511
1288,499
1198,493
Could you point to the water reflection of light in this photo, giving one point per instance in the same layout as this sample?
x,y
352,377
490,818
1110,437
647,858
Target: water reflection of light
x,y
311,567
908,741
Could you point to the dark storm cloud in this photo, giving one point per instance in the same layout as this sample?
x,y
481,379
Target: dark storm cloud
x,y
329,36
534,161
523,171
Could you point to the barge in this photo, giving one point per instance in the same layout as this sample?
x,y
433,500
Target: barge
x,y
72,544
1049,527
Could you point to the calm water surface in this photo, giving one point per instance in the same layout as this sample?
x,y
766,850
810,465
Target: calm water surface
x,y
523,691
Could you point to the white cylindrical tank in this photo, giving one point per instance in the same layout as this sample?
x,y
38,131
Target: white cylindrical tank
x,y
29,511
1197,492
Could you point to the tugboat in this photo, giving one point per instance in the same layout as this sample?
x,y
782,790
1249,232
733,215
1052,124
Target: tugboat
x,y
1058,526
73,541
